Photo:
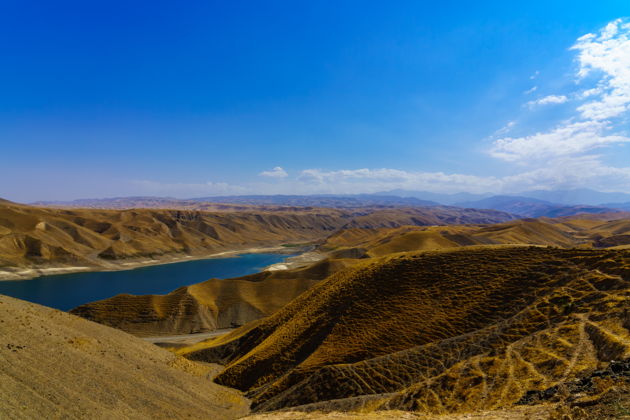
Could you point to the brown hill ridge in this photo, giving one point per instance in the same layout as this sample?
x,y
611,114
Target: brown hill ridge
x,y
217,304
435,332
33,239
56,365
210,305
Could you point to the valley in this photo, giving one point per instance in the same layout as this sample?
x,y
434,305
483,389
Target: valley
x,y
36,240
391,312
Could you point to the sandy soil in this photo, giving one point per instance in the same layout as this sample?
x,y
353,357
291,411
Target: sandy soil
x,y
298,261
55,365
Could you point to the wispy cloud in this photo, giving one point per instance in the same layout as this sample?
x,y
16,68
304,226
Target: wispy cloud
x,y
551,99
530,91
276,172
565,140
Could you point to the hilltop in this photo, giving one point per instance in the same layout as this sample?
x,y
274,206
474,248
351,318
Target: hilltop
x,y
56,365
479,328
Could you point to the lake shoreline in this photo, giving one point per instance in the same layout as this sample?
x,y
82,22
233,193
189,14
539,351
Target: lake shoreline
x,y
29,273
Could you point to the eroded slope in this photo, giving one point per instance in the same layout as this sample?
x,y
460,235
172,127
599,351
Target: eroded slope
x,y
213,304
233,302
34,238
436,332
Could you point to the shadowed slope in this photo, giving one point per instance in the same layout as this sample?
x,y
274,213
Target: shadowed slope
x,y
437,332
210,305
55,365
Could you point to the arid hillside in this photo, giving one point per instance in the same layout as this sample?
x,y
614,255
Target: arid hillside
x,y
35,238
217,304
479,328
565,233
210,305
56,365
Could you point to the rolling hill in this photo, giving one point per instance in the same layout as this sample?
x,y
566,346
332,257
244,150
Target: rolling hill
x,y
480,328
210,305
34,238
217,304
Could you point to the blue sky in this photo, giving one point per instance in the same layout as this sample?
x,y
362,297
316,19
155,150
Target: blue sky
x,y
208,98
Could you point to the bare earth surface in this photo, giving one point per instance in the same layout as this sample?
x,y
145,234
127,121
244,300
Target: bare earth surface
x,y
520,413
56,365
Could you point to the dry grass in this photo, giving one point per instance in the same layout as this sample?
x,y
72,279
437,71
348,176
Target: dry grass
x,y
437,332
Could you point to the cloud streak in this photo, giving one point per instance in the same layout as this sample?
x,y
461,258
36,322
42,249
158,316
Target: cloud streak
x,y
551,99
276,172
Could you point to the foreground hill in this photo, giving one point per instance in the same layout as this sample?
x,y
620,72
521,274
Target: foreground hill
x,y
217,304
33,238
55,365
438,332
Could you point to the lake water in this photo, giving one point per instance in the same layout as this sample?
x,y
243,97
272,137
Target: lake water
x,y
66,291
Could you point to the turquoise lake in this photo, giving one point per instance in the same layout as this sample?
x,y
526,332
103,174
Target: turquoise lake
x,y
66,291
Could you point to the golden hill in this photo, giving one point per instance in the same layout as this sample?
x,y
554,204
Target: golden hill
x,y
56,365
217,304
565,233
478,328
36,238
213,304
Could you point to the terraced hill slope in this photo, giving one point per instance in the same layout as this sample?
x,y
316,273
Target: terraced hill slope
x,y
55,365
436,332
36,238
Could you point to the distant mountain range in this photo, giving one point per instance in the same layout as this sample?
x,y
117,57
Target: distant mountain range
x,y
582,196
323,200
530,204
531,207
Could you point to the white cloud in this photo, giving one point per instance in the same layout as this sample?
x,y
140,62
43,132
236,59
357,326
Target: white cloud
x,y
607,54
590,92
535,75
505,129
532,90
551,99
566,139
373,180
561,172
276,172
